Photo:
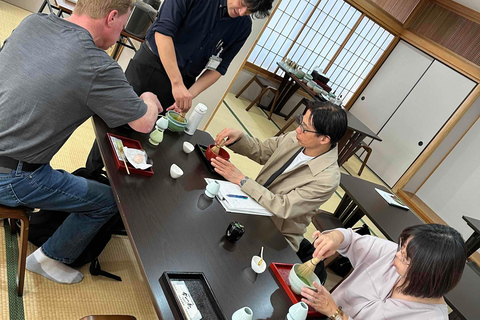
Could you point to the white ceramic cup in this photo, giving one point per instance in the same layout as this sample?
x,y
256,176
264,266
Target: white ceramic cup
x,y
175,171
258,268
244,313
212,189
298,311
188,147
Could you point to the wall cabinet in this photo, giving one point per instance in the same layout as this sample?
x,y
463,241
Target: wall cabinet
x,y
406,104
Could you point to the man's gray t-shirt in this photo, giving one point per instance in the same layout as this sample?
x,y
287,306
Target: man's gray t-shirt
x,y
53,78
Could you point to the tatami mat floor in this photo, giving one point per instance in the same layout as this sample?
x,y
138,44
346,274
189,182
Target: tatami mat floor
x,y
44,299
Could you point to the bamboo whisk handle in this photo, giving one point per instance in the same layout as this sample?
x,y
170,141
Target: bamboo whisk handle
x,y
315,261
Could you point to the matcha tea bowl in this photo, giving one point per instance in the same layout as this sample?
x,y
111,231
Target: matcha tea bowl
x,y
174,124
297,283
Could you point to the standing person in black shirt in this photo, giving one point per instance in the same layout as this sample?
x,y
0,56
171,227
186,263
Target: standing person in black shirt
x,y
188,47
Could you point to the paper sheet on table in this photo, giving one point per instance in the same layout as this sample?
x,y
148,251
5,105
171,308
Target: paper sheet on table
x,y
392,199
236,205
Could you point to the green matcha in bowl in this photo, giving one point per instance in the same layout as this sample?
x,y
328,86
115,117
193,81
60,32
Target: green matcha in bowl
x,y
174,124
297,282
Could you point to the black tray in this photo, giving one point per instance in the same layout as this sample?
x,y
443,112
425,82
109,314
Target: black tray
x,y
207,163
200,291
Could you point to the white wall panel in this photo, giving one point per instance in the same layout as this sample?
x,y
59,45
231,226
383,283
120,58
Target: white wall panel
x,y
453,189
389,87
420,116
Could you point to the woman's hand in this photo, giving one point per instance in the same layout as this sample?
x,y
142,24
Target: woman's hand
x,y
321,300
227,170
326,244
232,134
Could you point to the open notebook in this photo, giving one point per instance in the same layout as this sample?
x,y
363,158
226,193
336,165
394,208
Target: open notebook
x,y
238,205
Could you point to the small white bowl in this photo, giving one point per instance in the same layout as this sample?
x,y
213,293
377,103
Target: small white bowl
x,y
296,284
244,313
188,147
258,268
175,171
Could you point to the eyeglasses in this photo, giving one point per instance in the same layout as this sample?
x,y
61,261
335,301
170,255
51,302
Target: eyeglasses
x,y
403,258
300,122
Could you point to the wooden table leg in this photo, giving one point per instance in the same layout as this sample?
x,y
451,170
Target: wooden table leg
x,y
349,149
353,218
342,206
287,96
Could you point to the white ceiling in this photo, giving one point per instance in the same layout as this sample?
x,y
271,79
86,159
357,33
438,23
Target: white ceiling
x,y
472,4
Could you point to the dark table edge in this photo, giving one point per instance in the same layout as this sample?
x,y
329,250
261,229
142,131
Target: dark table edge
x,y
100,138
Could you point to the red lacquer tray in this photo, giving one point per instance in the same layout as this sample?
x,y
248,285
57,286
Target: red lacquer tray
x,y
281,271
129,143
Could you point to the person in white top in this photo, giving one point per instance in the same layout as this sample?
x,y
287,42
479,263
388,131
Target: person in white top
x,y
390,281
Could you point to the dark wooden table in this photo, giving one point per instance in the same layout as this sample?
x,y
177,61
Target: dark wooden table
x,y
356,132
172,226
289,85
473,242
362,199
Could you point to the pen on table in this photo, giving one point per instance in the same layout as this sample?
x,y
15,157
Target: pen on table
x,y
237,196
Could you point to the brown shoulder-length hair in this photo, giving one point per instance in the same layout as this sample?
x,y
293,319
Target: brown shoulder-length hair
x,y
437,255
97,9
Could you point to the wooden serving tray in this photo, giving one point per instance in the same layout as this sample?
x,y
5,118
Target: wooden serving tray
x,y
200,291
129,143
200,148
281,272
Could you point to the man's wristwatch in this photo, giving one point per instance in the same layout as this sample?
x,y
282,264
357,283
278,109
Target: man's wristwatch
x,y
338,315
242,182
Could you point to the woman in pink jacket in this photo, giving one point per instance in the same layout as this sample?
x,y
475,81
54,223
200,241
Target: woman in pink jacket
x,y
390,281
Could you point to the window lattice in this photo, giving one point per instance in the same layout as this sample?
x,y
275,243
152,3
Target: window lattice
x,y
311,32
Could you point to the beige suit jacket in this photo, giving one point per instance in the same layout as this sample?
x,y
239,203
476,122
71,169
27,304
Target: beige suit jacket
x,y
295,194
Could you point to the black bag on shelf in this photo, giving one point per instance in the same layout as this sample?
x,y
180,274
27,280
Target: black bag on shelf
x,y
342,266
44,223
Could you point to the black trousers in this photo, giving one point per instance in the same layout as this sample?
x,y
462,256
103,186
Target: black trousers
x,y
305,253
145,73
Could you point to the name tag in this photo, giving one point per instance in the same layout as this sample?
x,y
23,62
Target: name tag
x,y
214,62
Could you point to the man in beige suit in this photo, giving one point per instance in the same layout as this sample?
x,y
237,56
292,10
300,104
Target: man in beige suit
x,y
300,169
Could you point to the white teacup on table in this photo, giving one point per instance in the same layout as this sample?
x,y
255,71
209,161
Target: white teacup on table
x,y
175,171
244,313
212,189
188,147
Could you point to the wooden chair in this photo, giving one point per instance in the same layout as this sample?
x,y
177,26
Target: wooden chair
x,y
109,317
304,101
367,149
266,86
13,214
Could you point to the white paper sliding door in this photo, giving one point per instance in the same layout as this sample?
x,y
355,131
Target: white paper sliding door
x,y
393,81
423,112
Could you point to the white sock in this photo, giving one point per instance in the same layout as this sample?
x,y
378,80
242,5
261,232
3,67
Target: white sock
x,y
51,269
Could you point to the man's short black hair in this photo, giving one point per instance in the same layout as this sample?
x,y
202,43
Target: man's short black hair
x,y
259,8
328,119
437,256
